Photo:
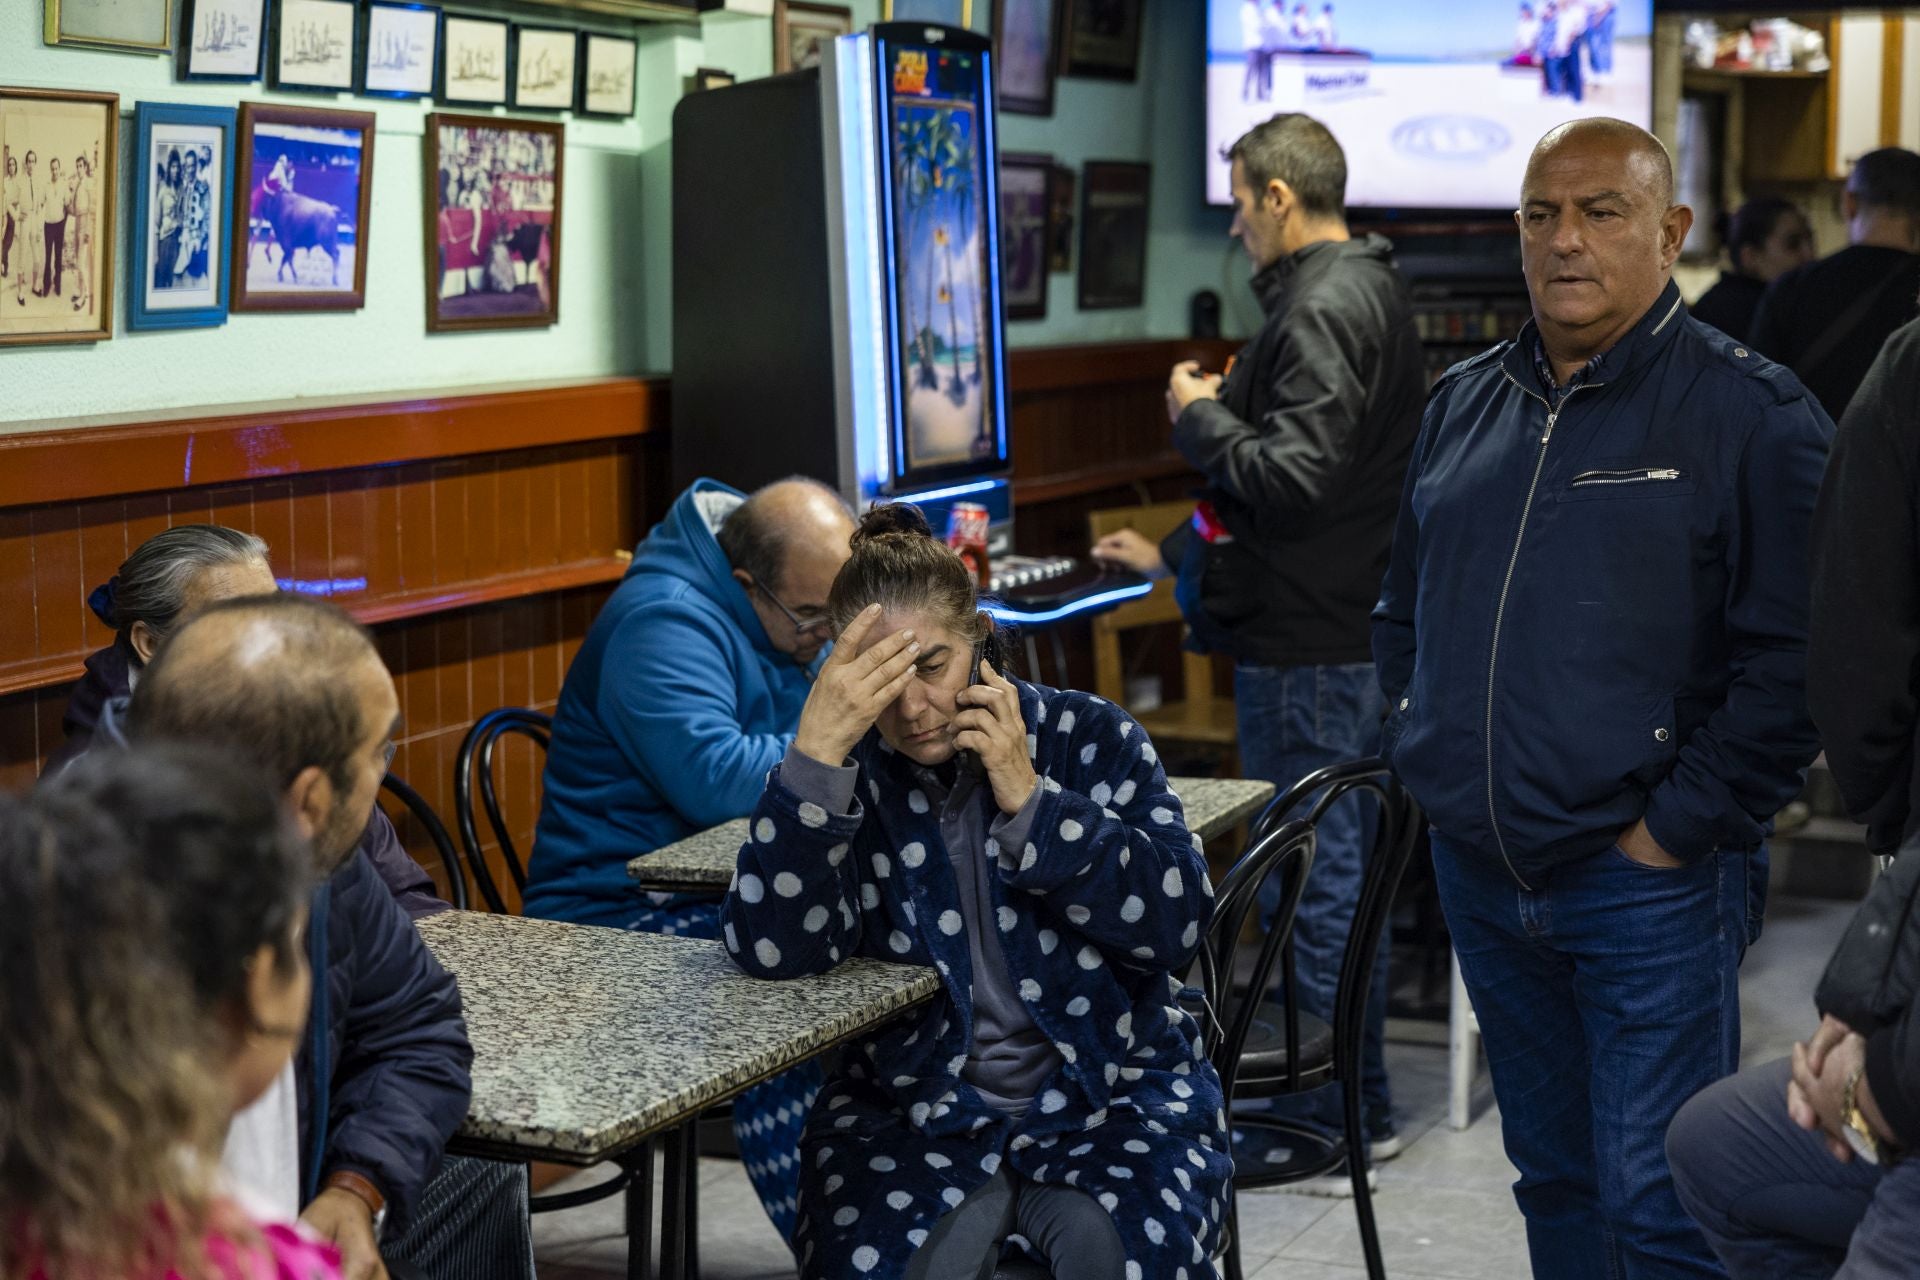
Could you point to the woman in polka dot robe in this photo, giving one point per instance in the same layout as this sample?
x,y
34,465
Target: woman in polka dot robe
x,y
1024,842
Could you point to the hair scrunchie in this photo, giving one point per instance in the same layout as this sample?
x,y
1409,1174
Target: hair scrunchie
x,y
101,601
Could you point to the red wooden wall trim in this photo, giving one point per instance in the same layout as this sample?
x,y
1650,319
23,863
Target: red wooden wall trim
x,y
100,457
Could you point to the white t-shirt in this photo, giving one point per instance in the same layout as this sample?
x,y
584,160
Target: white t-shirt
x,y
262,1156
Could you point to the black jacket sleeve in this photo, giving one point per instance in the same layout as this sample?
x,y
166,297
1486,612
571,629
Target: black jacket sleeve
x,y
406,879
1870,984
400,1081
1863,649
1289,462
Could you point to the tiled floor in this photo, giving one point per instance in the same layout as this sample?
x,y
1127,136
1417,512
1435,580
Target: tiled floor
x,y
1444,1207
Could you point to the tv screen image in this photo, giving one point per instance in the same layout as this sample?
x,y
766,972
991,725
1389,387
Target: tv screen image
x,y
1436,102
943,325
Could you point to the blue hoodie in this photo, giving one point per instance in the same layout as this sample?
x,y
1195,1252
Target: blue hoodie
x,y
672,714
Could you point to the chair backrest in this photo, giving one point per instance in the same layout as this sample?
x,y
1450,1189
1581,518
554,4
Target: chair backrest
x,y
1401,825
475,761
1285,850
1154,521
422,812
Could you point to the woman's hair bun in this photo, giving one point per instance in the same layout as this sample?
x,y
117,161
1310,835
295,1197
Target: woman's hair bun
x,y
887,518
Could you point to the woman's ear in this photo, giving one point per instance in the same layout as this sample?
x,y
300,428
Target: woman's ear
x,y
144,642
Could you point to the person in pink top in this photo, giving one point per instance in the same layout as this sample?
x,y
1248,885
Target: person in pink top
x,y
152,920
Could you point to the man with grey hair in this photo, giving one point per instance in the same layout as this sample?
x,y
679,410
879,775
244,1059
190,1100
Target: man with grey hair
x,y
686,692
1303,445
1593,640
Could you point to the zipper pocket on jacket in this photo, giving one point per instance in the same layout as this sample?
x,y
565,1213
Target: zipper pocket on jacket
x,y
1639,475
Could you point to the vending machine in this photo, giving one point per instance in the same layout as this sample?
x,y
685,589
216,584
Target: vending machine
x,y
837,308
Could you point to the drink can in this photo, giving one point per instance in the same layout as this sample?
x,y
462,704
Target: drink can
x,y
967,535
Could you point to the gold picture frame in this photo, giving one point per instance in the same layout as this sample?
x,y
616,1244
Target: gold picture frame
x,y
65,24
52,124
887,11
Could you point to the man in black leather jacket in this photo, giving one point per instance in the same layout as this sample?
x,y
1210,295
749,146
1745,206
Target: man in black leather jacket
x,y
1795,1169
1303,444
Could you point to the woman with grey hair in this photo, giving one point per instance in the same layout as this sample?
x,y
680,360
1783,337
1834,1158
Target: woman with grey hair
x,y
169,578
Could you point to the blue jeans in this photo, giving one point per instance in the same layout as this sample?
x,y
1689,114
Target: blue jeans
x,y
1293,721
1775,1203
1606,998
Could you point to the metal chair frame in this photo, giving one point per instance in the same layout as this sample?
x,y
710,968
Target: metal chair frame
x,y
480,742
422,812
1394,843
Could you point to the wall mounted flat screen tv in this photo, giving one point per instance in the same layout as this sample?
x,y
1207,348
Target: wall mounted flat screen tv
x,y
1436,102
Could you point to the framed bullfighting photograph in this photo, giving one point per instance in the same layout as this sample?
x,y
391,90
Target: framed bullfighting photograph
x,y
400,50
305,185
130,26
1025,201
223,40
475,63
182,216
58,150
493,222
802,31
314,44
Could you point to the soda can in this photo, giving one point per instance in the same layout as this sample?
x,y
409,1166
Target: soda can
x,y
967,535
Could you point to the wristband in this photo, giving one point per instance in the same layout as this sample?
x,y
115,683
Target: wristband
x,y
360,1188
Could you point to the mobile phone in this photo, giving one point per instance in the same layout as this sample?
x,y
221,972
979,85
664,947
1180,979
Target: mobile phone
x,y
969,761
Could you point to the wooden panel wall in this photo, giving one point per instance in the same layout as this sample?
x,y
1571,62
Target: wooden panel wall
x,y
478,532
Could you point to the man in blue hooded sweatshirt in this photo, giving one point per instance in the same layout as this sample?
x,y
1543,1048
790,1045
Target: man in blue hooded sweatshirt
x,y
687,691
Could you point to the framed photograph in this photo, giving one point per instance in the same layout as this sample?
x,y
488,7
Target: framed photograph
x,y
182,216
493,222
223,40
801,31
314,42
1024,206
1113,235
1101,39
1026,37
131,26
400,49
1061,217
58,152
475,68
545,68
606,74
299,228
952,13
705,78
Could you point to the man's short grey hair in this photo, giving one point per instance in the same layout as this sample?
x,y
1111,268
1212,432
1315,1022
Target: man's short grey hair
x,y
152,584
1888,179
1301,152
752,540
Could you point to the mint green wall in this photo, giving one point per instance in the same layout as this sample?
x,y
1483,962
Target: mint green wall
x,y
615,284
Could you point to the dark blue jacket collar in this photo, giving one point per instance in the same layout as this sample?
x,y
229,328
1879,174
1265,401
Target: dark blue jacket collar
x,y
1643,342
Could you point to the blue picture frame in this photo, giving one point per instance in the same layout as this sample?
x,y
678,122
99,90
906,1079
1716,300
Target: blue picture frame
x,y
158,126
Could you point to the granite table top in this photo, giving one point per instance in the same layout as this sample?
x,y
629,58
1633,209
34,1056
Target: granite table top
x,y
704,862
587,1040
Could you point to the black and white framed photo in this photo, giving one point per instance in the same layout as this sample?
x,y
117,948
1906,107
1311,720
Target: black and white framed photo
x,y
129,26
1113,234
223,40
546,69
58,152
314,44
475,63
182,216
606,74
1025,203
400,50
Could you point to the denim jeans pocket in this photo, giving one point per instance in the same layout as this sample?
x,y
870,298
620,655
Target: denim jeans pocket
x,y
1621,855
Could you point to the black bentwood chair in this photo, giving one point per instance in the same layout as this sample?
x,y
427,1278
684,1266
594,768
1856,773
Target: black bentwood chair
x,y
421,812
479,744
1273,1049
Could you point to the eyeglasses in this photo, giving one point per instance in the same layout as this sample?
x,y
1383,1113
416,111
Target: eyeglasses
x,y
816,623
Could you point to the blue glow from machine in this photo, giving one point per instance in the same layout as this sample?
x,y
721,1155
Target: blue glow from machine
x,y
1104,599
952,491
321,586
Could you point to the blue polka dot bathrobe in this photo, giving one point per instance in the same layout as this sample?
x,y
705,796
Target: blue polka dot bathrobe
x,y
1107,898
